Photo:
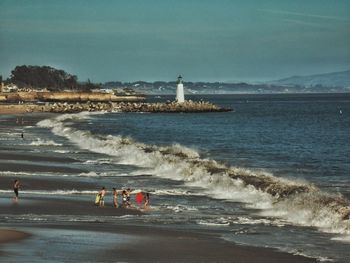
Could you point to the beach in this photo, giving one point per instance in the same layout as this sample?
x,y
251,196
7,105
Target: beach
x,y
24,223
139,244
197,212
174,131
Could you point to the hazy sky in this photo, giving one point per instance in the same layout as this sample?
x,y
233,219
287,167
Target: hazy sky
x,y
217,40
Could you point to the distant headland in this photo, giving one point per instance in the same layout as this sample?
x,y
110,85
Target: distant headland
x,y
46,89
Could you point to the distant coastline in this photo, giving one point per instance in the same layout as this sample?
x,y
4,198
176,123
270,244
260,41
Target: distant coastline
x,y
336,82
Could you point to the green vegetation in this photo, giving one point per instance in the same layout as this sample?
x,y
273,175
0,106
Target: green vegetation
x,y
41,77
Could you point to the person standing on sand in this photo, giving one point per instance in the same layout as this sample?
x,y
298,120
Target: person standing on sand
x,y
115,198
102,194
16,187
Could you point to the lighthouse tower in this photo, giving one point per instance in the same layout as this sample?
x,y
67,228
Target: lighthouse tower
x,y
180,97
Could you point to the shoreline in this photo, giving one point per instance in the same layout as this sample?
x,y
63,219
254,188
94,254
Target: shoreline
x,y
135,243
152,243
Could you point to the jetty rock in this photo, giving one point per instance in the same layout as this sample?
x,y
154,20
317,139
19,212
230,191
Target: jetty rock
x,y
173,107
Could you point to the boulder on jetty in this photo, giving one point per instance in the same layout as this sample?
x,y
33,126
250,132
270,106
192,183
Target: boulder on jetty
x,y
172,107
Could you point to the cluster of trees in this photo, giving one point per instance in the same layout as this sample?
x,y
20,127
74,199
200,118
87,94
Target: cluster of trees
x,y
41,77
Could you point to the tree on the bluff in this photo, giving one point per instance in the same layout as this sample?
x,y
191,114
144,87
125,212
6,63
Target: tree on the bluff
x,y
47,77
42,77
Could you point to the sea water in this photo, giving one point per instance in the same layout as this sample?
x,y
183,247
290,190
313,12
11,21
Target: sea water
x,y
274,172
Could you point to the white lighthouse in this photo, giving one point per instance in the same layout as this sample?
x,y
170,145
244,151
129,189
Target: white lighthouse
x,y
180,97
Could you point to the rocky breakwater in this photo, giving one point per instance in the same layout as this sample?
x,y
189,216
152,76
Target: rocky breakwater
x,y
67,96
170,107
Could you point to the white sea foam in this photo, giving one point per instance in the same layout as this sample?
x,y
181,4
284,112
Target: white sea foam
x,y
295,201
99,161
14,174
242,220
103,174
318,258
24,174
174,192
211,223
342,238
40,142
89,174
53,192
61,151
31,218
179,208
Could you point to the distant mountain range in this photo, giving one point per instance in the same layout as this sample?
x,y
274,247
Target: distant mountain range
x,y
321,83
330,80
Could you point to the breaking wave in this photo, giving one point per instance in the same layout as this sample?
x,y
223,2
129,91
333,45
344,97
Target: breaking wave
x,y
294,201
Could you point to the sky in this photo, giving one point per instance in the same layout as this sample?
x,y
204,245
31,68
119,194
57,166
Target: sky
x,y
216,40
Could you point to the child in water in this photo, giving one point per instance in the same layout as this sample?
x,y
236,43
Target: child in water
x,y
146,200
115,198
102,194
128,197
124,199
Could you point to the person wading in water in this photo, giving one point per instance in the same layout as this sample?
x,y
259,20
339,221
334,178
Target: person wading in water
x,y
16,187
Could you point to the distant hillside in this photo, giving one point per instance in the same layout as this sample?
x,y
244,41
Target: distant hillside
x,y
163,88
321,83
329,80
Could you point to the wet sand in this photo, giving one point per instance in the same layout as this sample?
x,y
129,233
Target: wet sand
x,y
11,235
160,245
151,244
7,236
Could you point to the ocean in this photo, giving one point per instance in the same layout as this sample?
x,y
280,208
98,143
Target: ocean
x,y
274,172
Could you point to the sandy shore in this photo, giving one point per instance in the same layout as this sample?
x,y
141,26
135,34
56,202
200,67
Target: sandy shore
x,y
11,235
151,244
7,236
